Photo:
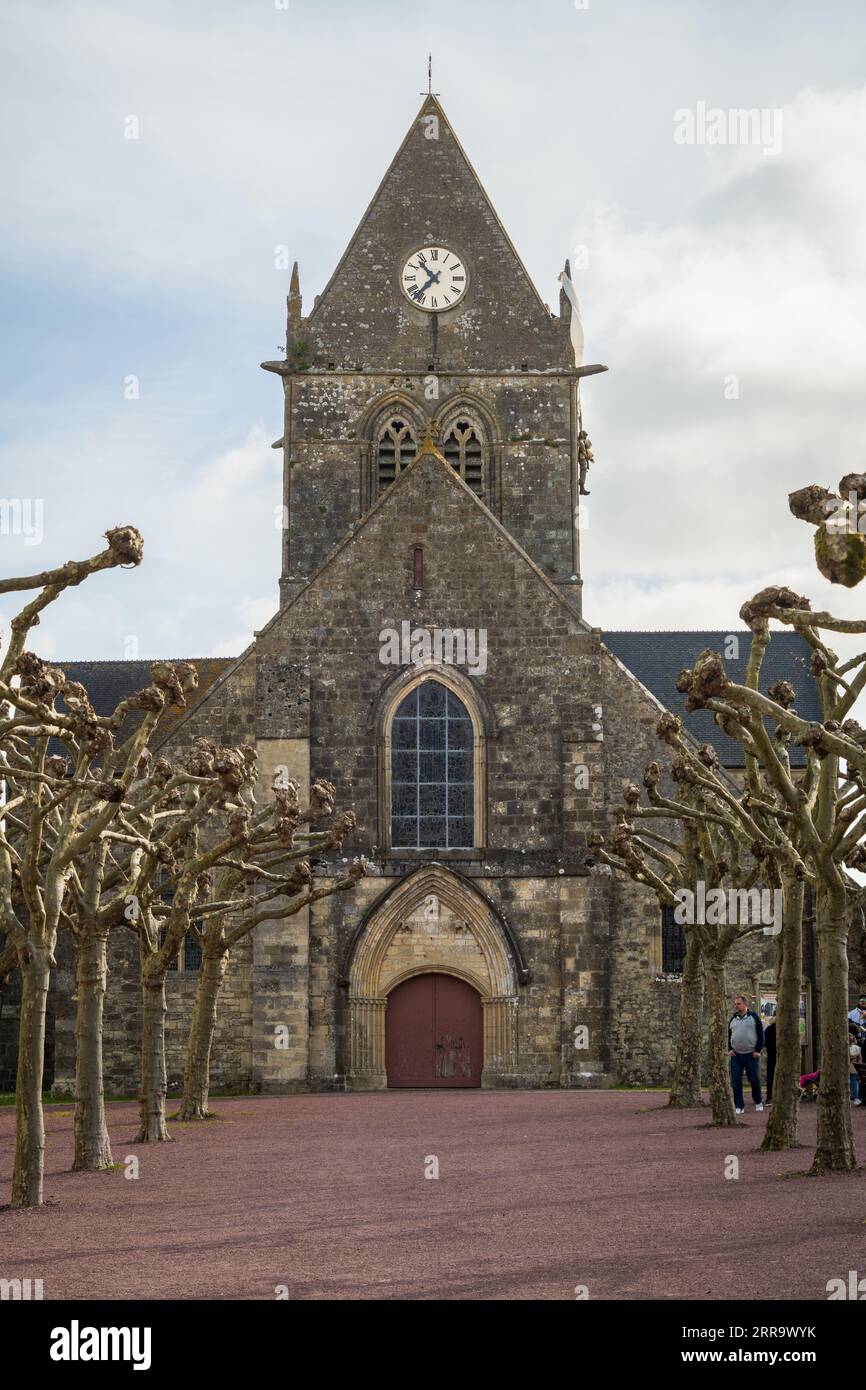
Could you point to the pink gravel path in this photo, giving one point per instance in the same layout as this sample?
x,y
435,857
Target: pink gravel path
x,y
538,1192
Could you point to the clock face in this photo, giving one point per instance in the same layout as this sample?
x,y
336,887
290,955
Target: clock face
x,y
434,279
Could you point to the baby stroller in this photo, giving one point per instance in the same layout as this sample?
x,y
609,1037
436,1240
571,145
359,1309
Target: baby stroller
x,y
809,1086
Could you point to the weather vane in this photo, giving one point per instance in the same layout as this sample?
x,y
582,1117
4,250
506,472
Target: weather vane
x,y
429,92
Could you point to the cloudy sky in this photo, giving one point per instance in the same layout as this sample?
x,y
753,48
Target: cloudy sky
x,y
723,284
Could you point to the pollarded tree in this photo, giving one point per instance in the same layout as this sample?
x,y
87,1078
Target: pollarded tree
x,y
102,789
42,832
210,829
685,1088
825,812
765,805
94,833
709,839
100,772
271,879
840,518
176,825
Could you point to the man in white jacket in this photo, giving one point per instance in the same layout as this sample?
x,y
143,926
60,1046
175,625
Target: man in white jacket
x,y
745,1043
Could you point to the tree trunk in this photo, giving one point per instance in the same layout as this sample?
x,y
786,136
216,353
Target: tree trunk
x,y
29,1118
719,1072
92,1146
835,1150
153,1075
196,1079
781,1131
686,1084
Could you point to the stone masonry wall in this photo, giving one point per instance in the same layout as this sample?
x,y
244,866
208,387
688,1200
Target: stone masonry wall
x,y
528,455
544,912
430,195
231,1060
644,1003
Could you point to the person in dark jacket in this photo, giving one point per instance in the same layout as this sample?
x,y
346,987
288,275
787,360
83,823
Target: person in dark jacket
x,y
770,1046
745,1044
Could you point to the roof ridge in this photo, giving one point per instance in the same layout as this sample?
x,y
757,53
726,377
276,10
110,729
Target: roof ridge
x,y
686,631
130,660
690,631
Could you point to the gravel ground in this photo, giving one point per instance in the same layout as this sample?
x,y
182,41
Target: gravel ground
x,y
538,1193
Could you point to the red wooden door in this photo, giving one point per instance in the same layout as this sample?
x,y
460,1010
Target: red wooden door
x,y
434,1033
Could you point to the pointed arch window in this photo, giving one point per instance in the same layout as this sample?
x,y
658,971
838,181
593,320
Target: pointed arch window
x,y
432,770
397,446
463,449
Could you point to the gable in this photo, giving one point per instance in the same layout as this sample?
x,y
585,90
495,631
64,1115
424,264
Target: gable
x,y
469,556
492,618
432,195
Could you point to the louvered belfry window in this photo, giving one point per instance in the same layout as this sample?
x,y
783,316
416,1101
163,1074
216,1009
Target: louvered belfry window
x,y
463,450
397,447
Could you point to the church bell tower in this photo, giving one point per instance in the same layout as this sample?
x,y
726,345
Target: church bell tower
x,y
431,322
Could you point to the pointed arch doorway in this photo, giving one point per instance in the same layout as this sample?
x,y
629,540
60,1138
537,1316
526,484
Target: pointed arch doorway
x,y
434,1032
432,924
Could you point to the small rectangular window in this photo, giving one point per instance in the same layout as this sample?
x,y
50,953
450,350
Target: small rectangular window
x,y
673,943
191,953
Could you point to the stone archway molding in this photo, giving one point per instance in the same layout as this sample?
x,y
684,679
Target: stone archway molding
x,y
466,690
486,959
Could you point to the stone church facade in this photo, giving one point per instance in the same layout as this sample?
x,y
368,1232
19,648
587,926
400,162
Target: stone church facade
x,y
430,657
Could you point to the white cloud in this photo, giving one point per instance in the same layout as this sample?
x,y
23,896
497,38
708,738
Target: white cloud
x,y
689,498
261,127
211,555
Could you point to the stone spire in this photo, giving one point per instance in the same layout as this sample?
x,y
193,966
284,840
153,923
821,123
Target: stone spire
x,y
564,301
293,308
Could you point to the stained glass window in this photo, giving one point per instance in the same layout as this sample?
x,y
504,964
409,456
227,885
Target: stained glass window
x,y
432,774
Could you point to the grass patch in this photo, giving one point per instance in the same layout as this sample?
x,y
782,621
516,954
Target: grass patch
x,y
51,1098
48,1098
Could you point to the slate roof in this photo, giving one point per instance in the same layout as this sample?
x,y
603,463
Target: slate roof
x,y
657,658
107,682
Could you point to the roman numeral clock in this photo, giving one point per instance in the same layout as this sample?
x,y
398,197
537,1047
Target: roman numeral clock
x,y
434,279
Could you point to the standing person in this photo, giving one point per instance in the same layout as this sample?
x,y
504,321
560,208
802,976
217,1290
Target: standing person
x,y
859,1008
855,1057
858,1016
745,1042
770,1045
